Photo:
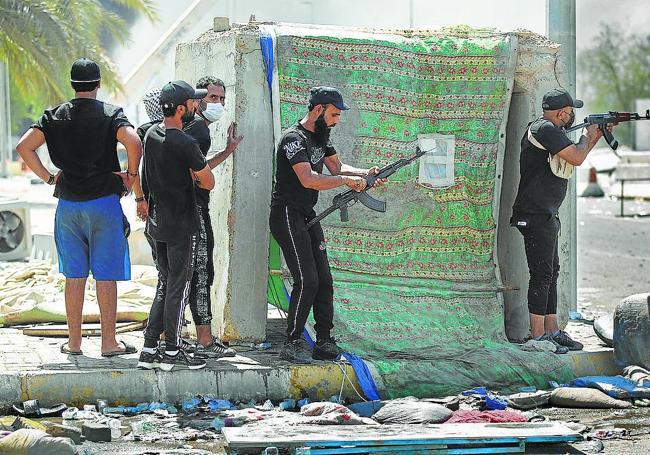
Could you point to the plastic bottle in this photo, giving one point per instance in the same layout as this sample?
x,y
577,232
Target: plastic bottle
x,y
101,404
114,410
70,413
114,425
218,424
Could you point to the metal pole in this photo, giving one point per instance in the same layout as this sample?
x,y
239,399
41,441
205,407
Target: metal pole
x,y
561,28
5,120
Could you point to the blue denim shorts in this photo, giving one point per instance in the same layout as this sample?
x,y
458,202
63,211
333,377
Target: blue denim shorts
x,y
91,236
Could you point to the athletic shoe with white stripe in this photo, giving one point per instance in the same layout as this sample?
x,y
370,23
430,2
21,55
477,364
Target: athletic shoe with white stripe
x,y
181,361
215,350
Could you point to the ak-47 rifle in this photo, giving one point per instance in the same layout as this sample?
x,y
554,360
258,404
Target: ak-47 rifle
x,y
602,120
343,200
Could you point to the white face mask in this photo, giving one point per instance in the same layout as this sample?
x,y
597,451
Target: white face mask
x,y
213,112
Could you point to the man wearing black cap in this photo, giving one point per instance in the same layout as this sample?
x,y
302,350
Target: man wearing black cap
x,y
209,110
546,162
173,165
89,227
301,153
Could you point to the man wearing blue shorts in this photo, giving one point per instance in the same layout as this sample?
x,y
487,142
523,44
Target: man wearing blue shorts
x,y
89,227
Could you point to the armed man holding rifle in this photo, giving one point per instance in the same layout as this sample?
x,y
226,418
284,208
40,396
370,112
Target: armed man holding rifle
x,y
301,153
546,163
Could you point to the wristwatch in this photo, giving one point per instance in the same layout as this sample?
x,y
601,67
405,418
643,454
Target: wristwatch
x,y
50,181
139,199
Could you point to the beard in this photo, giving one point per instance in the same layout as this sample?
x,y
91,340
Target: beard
x,y
572,119
187,116
323,130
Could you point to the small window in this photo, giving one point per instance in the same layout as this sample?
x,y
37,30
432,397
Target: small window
x,y
437,165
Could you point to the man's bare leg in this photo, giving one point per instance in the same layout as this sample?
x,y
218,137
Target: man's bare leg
x,y
74,303
204,334
536,325
550,324
107,300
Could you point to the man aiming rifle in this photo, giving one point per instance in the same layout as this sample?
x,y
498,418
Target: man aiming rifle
x,y
303,150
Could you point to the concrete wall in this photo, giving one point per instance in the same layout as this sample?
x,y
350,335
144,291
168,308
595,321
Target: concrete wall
x,y
239,203
536,72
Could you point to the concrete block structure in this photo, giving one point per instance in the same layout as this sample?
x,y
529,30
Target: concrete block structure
x,y
240,202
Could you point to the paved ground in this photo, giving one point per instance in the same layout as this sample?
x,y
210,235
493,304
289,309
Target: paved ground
x,y
613,252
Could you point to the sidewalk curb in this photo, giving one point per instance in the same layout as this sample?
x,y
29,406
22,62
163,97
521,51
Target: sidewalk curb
x,y
77,388
318,381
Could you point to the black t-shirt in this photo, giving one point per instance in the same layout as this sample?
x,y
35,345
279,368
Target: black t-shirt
x,y
199,131
298,145
169,154
81,137
540,191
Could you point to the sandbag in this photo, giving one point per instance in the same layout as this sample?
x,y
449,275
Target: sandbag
x,y
573,397
35,442
411,410
632,331
528,400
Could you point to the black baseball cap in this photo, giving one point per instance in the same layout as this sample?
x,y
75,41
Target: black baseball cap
x,y
84,70
559,98
327,95
175,93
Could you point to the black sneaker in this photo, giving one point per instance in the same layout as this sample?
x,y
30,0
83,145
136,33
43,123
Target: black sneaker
x,y
559,349
326,349
215,350
149,361
182,360
564,339
296,351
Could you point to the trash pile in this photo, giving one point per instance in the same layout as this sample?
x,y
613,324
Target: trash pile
x,y
202,418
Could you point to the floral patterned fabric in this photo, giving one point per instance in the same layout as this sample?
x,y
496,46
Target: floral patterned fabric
x,y
416,287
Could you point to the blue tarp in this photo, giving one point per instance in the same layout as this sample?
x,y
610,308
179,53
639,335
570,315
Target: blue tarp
x,y
614,386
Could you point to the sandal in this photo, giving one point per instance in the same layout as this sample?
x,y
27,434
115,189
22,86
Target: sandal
x,y
128,349
66,350
32,408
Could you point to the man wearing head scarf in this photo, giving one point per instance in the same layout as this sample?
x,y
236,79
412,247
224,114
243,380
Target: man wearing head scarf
x,y
209,111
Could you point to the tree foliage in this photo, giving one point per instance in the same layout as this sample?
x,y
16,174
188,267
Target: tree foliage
x,y
39,40
615,72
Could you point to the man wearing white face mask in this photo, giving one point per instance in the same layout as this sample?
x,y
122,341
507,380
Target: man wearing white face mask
x,y
209,111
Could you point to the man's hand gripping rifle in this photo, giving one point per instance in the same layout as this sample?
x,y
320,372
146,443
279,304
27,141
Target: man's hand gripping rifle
x,y
611,117
343,200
